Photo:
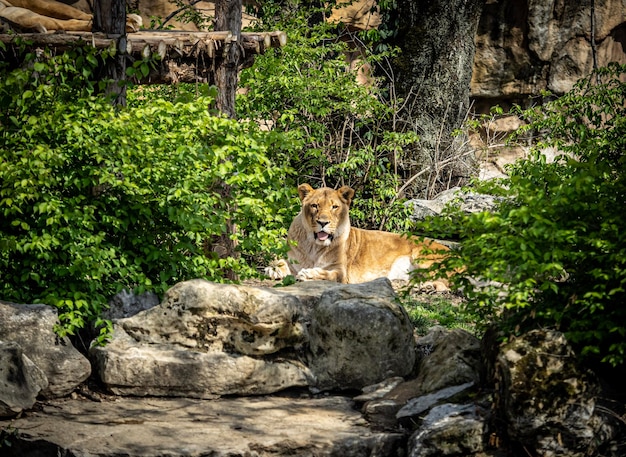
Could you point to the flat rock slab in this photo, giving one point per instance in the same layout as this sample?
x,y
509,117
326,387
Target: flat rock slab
x,y
151,427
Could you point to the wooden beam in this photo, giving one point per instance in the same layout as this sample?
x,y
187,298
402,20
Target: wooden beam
x,y
184,56
181,42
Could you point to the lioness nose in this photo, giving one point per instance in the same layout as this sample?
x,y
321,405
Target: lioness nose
x,y
322,223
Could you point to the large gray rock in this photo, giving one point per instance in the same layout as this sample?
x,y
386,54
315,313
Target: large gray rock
x,y
547,400
20,380
31,326
360,336
207,340
208,317
127,303
447,358
450,429
128,368
448,364
468,202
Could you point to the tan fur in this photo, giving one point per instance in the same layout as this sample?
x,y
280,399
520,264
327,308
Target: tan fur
x,y
348,254
51,8
46,15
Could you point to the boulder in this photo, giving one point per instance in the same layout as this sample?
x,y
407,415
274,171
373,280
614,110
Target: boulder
x,y
417,406
127,303
206,340
32,327
447,358
468,202
128,368
448,365
20,380
359,336
450,429
547,400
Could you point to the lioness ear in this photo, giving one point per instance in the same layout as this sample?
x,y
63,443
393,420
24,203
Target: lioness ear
x,y
304,190
346,193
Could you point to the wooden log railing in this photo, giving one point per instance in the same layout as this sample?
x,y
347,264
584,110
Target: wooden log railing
x,y
184,56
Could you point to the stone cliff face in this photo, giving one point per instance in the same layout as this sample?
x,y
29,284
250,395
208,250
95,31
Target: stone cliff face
x,y
526,46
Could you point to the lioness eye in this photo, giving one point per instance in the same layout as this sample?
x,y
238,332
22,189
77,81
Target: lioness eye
x,y
314,205
335,206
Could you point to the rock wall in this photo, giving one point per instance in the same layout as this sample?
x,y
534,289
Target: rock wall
x,y
526,46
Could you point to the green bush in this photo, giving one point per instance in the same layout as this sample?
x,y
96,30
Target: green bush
x,y
343,131
94,199
554,253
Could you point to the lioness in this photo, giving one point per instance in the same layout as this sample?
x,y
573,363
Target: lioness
x,y
325,246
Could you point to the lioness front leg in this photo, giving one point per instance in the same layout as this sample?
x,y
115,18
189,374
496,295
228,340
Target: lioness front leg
x,y
313,274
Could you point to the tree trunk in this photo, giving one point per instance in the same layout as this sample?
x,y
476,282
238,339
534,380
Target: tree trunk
x,y
434,70
228,18
109,17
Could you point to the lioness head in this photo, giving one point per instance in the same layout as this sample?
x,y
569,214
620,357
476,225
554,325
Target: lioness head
x,y
325,211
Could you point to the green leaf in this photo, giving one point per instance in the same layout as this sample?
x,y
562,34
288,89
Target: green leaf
x,y
92,60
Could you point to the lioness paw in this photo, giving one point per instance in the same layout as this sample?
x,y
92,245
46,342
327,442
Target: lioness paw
x,y
279,269
311,274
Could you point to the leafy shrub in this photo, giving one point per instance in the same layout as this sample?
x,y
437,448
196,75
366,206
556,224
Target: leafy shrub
x,y
554,253
343,131
94,199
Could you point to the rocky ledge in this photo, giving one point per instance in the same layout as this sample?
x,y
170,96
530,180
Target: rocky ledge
x,y
236,426
313,369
